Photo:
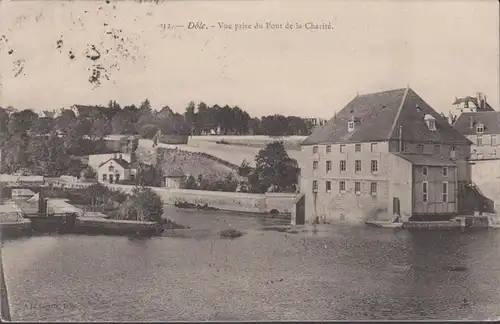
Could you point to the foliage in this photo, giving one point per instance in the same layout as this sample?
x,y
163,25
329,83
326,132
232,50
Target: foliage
x,y
143,205
244,169
150,176
228,184
89,173
274,171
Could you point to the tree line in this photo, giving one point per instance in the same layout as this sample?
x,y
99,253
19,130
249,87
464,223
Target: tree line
x,y
44,145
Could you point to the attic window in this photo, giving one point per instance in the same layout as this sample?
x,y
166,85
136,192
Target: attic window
x,y
350,126
466,104
480,128
430,121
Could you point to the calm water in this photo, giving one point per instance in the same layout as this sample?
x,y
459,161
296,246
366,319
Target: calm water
x,y
340,272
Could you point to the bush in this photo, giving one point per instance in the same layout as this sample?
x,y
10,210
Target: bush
x,y
143,205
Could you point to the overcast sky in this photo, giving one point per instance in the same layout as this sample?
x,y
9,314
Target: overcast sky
x,y
442,49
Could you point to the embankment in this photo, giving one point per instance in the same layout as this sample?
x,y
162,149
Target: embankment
x,y
230,201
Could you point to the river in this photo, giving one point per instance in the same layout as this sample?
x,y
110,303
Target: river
x,y
337,273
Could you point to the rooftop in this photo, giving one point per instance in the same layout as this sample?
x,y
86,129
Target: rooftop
x,y
429,160
121,162
490,120
379,117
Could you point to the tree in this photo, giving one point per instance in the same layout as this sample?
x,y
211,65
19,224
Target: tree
x,y
145,205
146,105
89,173
190,116
150,176
244,169
274,170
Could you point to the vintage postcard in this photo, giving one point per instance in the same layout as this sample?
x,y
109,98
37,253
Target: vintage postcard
x,y
249,160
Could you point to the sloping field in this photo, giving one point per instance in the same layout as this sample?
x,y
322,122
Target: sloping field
x,y
234,154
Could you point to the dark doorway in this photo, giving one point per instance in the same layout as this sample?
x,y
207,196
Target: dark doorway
x,y
395,206
110,178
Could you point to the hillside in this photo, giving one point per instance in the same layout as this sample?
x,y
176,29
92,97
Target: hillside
x,y
194,163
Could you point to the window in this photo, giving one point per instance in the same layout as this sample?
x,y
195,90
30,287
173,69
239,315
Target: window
x,y
437,149
445,171
111,168
328,148
466,104
315,165
121,156
328,186
342,148
132,176
445,191
342,186
350,126
357,148
357,188
357,165
480,129
373,147
424,191
104,177
373,188
315,149
374,166
420,148
342,166
424,170
493,140
328,166
315,185
403,147
453,151
479,141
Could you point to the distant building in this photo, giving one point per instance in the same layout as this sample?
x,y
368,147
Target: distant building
x,y
483,129
384,153
472,104
174,179
95,160
115,170
316,121
121,142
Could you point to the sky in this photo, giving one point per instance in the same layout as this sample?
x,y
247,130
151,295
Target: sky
x,y
441,49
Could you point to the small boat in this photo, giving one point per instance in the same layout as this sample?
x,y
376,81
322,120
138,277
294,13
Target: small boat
x,y
384,224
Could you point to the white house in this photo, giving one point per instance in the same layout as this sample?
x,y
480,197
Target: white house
x,y
114,170
95,160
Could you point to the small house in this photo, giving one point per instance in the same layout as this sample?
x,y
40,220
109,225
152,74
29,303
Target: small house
x,y
174,179
115,170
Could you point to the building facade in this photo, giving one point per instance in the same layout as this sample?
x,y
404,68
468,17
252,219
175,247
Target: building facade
x,y
483,130
115,170
95,160
384,154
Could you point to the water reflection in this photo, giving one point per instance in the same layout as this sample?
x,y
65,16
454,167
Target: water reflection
x,y
339,272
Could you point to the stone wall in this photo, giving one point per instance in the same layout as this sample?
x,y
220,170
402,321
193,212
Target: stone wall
x,y
230,201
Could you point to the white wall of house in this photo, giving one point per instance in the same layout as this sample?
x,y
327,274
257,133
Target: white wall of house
x,y
111,170
96,159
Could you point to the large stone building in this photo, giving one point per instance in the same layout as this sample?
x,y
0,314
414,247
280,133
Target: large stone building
x,y
386,153
480,123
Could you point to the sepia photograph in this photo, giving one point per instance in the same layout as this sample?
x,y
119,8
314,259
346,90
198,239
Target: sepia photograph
x,y
259,160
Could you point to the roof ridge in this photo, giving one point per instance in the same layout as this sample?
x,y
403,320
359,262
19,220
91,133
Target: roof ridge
x,y
395,121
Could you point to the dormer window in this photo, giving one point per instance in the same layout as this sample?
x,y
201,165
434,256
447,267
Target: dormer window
x,y
466,104
430,121
350,126
480,128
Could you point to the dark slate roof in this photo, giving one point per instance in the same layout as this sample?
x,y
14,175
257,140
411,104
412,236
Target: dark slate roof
x,y
429,160
121,162
490,120
381,114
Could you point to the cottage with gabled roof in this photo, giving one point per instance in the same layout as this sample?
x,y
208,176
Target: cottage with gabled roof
x,y
386,153
483,129
115,170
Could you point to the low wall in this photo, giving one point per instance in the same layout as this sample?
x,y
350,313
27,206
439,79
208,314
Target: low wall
x,y
174,139
231,201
